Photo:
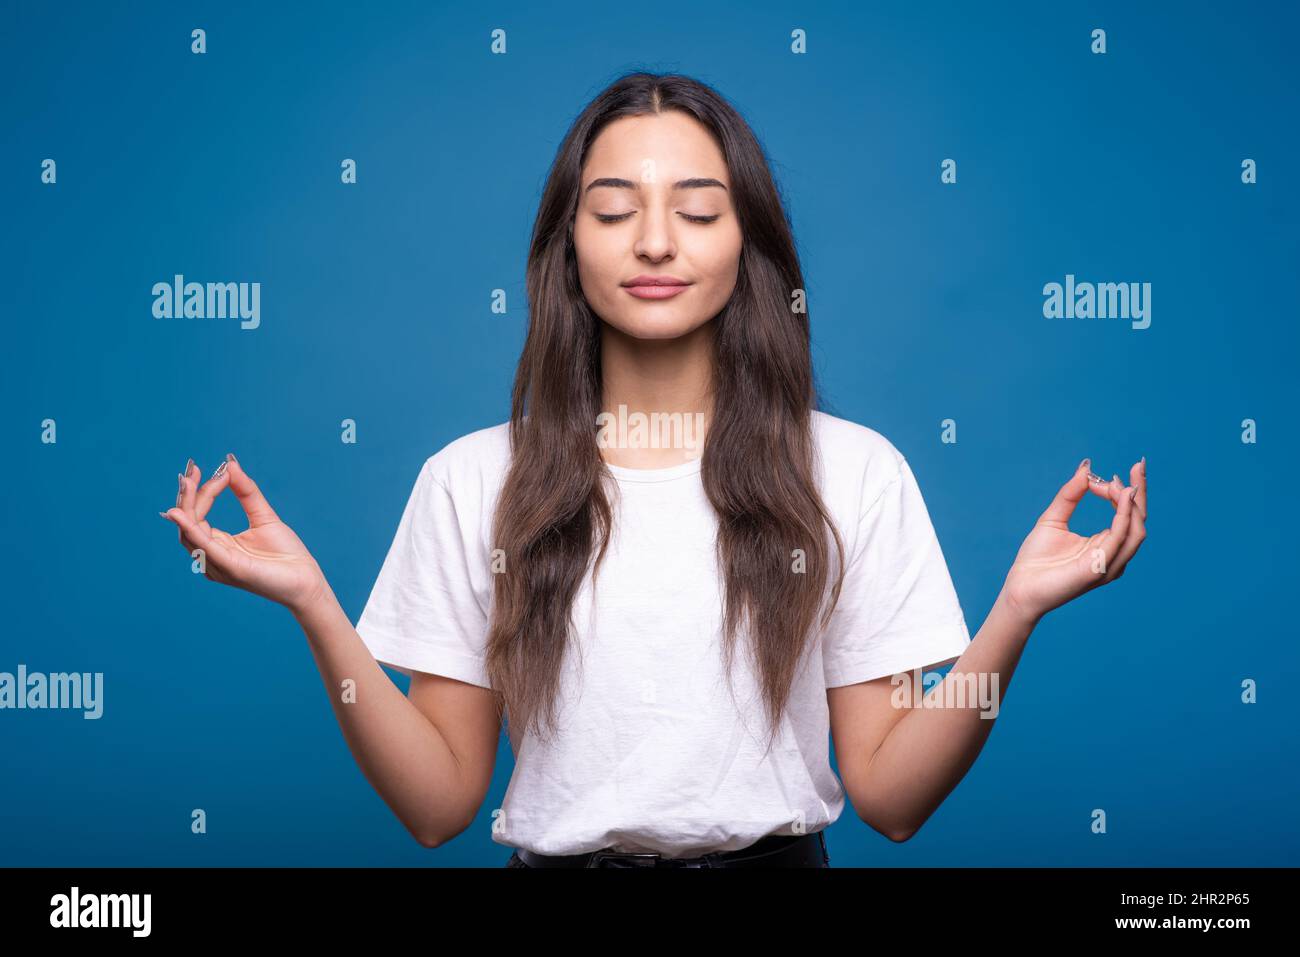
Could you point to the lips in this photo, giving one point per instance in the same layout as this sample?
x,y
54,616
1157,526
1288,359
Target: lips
x,y
656,292
655,287
656,281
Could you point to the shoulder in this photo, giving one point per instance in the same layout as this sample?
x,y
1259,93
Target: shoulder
x,y
845,443
475,460
858,462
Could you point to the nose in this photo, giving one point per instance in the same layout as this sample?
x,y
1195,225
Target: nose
x,y
655,240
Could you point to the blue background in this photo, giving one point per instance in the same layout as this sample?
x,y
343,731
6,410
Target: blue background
x,y
926,303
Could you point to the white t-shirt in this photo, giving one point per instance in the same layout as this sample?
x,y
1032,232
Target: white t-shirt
x,y
653,753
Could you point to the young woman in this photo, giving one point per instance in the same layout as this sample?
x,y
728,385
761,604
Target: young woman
x,y
670,630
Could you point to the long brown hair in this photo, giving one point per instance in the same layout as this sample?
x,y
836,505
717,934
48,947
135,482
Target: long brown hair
x,y
759,457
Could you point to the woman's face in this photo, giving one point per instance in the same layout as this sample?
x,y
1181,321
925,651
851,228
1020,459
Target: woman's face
x,y
656,201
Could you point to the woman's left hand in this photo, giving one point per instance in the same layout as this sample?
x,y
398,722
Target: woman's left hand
x,y
1054,565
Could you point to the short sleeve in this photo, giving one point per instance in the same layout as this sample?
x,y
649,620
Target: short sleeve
x,y
424,613
898,609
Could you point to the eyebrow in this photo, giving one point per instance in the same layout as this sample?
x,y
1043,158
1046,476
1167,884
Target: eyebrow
x,y
693,183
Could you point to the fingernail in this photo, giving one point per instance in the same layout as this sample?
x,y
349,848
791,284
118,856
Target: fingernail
x,y
189,464
1132,493
230,457
164,515
1144,466
180,489
220,470
1094,477
1085,463
1115,478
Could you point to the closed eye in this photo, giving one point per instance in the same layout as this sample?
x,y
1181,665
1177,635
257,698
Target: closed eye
x,y
619,217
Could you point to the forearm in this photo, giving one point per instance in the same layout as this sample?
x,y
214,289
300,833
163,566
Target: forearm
x,y
400,751
930,749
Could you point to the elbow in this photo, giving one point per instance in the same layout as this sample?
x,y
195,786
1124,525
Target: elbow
x,y
898,836
426,837
898,833
875,815
428,840
432,839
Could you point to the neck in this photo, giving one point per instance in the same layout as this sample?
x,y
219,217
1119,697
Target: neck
x,y
672,377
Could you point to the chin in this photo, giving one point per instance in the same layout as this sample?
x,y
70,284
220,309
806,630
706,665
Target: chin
x,y
663,328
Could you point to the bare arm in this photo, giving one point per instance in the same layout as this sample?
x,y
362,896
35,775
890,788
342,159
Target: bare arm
x,y
899,764
430,756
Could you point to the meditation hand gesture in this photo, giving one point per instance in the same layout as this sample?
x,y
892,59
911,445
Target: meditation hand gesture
x,y
1054,565
267,558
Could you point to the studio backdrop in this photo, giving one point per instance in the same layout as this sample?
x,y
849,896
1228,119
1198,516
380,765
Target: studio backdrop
x,y
1031,233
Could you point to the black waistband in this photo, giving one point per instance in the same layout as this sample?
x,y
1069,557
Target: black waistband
x,y
775,850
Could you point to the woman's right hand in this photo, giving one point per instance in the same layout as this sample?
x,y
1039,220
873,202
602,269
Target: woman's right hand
x,y
267,558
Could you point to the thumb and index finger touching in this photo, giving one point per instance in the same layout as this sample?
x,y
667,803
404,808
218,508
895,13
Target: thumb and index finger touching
x,y
194,501
1073,491
1084,481
250,497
